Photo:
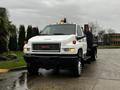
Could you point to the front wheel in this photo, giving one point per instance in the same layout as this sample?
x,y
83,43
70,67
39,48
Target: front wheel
x,y
32,70
77,70
56,70
80,56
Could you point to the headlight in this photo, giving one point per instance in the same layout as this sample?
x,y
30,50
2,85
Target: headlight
x,y
69,49
26,50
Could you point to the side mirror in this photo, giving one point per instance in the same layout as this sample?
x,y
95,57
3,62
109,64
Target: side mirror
x,y
40,31
79,37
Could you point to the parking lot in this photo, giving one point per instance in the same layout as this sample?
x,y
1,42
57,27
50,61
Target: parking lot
x,y
104,74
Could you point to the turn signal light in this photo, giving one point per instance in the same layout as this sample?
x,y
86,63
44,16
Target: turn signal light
x,y
74,42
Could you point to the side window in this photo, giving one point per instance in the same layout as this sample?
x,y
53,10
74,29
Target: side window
x,y
79,31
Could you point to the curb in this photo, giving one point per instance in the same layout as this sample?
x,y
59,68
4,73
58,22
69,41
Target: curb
x,y
3,71
18,69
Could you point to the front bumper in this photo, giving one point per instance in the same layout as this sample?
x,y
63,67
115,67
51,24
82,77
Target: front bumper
x,y
51,61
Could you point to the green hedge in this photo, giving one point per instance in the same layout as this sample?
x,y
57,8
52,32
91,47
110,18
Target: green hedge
x,y
108,47
13,63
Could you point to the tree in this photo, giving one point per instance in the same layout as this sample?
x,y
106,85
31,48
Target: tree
x,y
101,36
35,31
21,37
110,30
13,38
95,27
107,39
29,32
4,31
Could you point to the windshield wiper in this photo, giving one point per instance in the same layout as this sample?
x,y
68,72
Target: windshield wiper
x,y
44,34
58,34
54,34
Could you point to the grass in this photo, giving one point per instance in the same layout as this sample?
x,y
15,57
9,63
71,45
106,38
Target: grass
x,y
13,63
108,47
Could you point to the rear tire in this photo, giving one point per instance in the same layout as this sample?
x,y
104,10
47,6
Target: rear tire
x,y
94,55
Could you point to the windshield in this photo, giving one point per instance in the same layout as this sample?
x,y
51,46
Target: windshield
x,y
60,29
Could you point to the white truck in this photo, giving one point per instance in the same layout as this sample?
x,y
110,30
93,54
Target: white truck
x,y
59,46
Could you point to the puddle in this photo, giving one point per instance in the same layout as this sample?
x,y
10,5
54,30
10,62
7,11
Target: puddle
x,y
20,83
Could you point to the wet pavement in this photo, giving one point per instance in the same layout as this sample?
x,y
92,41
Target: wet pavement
x,y
104,74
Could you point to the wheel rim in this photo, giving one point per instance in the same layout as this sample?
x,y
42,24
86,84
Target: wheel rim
x,y
96,55
80,54
79,67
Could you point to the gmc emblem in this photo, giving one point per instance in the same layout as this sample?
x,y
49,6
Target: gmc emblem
x,y
44,46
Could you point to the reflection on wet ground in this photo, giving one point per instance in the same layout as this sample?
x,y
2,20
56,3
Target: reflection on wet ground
x,y
46,80
20,83
106,69
25,81
16,81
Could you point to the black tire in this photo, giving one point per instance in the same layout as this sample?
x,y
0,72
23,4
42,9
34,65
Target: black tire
x,y
94,55
79,64
77,70
56,70
32,70
80,57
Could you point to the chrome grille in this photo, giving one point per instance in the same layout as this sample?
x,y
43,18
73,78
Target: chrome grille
x,y
46,47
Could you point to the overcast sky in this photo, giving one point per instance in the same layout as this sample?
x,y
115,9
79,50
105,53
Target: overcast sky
x,y
42,12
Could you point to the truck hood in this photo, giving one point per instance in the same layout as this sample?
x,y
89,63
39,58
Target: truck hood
x,y
52,38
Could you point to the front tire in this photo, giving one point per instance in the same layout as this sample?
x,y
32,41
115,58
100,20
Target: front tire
x,y
32,70
56,70
78,69
80,57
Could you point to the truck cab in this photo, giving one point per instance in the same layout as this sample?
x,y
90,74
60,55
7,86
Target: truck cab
x,y
59,46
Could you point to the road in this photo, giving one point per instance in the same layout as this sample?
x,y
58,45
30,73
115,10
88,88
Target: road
x,y
104,74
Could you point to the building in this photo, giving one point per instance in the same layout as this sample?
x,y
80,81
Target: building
x,y
112,39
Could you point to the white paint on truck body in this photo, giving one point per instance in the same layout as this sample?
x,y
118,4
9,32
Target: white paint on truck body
x,y
65,41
